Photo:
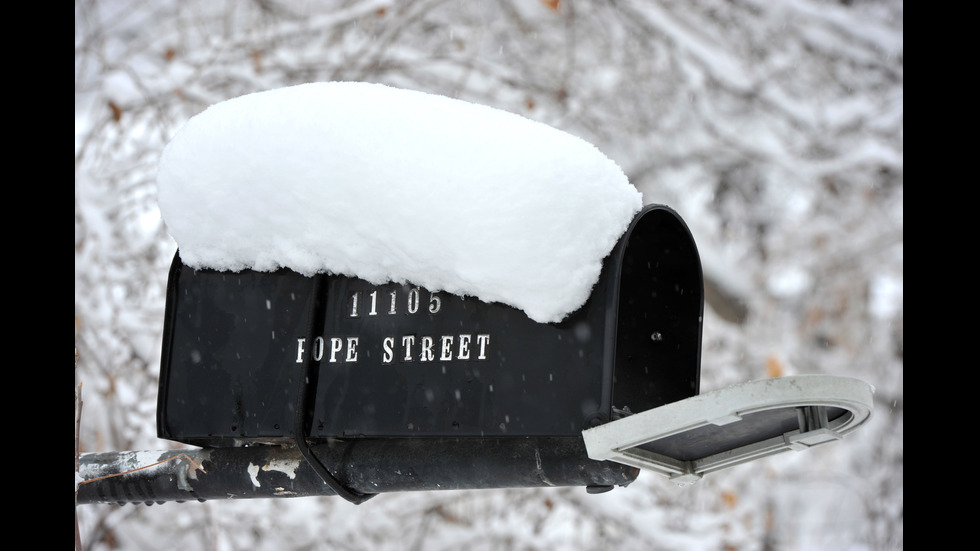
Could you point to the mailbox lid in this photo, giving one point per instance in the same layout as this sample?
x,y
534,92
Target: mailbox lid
x,y
730,426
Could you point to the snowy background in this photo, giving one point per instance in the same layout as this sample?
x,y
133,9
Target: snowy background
x,y
775,129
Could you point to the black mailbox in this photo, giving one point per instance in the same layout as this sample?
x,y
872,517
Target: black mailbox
x,y
357,389
244,353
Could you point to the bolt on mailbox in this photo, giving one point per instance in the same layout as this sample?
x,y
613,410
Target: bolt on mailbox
x,y
242,351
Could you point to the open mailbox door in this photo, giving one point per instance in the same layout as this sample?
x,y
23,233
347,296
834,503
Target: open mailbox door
x,y
394,387
687,439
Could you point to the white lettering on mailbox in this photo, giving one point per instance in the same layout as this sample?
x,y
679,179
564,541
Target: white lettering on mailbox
x,y
444,348
412,303
347,349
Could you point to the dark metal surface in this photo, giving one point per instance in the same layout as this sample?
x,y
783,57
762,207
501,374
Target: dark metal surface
x,y
400,361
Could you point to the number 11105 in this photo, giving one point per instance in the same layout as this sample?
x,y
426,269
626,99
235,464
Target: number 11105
x,y
374,302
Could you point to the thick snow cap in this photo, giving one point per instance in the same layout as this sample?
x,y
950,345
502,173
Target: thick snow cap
x,y
392,185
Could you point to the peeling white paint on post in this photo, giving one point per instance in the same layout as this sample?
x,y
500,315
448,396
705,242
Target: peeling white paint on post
x,y
285,466
253,473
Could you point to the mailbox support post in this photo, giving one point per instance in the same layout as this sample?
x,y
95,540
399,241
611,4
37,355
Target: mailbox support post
x,y
366,466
